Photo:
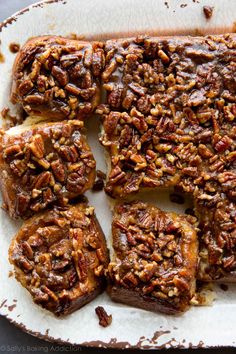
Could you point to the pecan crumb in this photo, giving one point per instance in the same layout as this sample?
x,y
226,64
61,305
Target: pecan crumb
x,y
224,287
208,11
14,47
98,185
176,198
104,319
2,58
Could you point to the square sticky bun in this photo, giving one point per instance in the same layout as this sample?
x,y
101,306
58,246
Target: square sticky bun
x,y
170,109
155,258
58,77
59,256
44,164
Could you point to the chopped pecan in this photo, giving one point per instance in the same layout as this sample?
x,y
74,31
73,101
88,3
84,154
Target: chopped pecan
x,y
58,170
223,144
60,75
35,100
115,98
42,180
25,87
75,182
101,174
104,319
69,153
46,163
21,203
81,265
12,151
37,146
18,167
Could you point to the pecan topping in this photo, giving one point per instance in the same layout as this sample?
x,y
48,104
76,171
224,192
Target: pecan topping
x,y
151,248
54,262
45,164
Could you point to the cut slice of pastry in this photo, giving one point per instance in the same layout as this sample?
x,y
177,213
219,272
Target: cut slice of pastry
x,y
58,78
59,256
44,164
155,260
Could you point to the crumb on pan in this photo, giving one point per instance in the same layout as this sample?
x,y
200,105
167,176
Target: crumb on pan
x,y
98,185
50,163
14,47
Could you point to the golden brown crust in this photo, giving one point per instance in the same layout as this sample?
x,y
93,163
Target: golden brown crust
x,y
155,261
44,164
57,77
59,256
